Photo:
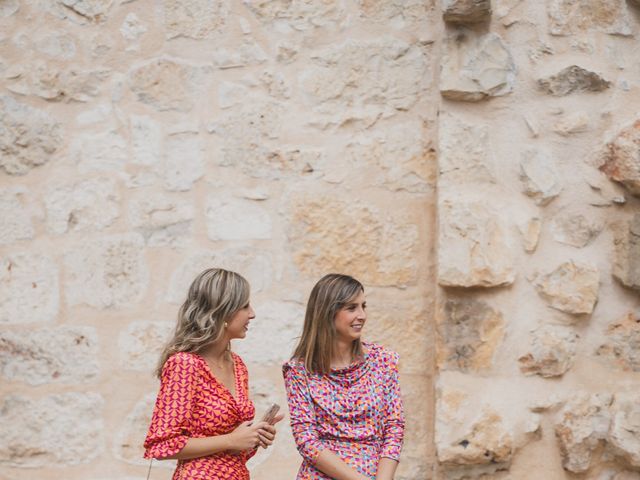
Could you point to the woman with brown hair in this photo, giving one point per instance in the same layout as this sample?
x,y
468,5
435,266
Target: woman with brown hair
x,y
344,397
203,414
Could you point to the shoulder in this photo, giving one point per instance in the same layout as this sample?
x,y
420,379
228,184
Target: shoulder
x,y
182,362
293,367
382,356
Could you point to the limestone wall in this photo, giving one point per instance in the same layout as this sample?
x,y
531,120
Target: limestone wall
x,y
141,140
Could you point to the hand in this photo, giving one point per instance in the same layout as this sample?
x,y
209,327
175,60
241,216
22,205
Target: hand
x,y
268,434
246,436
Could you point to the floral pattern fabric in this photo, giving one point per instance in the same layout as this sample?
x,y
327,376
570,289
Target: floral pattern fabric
x,y
354,411
192,403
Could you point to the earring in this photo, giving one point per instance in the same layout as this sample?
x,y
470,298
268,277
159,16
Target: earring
x,y
226,324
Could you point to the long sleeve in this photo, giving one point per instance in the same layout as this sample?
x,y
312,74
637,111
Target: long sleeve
x,y
394,414
301,413
169,429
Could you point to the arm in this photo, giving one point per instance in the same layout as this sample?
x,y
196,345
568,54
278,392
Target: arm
x,y
386,469
305,433
394,424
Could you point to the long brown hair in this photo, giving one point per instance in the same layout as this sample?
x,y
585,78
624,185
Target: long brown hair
x,y
316,345
214,296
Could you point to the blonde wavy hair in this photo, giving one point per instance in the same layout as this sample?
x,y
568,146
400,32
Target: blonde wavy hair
x,y
214,296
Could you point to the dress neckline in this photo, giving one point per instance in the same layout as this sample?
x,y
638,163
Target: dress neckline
x,y
236,376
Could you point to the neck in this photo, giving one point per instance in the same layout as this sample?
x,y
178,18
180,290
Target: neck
x,y
218,351
342,353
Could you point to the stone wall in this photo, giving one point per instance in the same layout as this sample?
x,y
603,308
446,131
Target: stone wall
x,y
144,139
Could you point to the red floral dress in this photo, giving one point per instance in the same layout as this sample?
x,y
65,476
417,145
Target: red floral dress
x,y
192,403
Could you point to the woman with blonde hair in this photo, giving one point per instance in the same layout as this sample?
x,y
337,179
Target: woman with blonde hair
x,y
344,397
203,414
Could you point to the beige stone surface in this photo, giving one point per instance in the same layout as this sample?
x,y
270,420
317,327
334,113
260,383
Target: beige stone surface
x,y
466,11
620,158
621,343
17,212
573,79
572,287
141,342
626,252
575,16
552,352
162,219
576,229
539,175
195,18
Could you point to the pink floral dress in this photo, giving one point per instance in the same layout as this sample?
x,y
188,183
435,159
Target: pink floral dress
x,y
192,403
354,411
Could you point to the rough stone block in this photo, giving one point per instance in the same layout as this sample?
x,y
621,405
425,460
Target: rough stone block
x,y
236,219
622,345
108,272
573,79
572,287
621,158
624,435
466,11
299,15
146,140
54,430
50,355
92,10
28,289
626,260
16,213
183,163
569,17
576,229
552,352
163,220
105,151
141,343
195,18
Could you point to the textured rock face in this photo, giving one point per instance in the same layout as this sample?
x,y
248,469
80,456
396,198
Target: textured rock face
x,y
28,137
298,15
626,243
622,345
29,290
476,67
321,237
236,219
474,247
93,10
108,273
63,354
574,16
469,334
573,79
195,18
105,151
16,212
161,219
576,229
552,352
571,288
466,11
141,343
165,85
582,426
184,163
624,435
539,176
33,431
621,158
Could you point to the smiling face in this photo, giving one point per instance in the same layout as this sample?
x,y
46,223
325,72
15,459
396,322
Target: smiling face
x,y
238,325
350,319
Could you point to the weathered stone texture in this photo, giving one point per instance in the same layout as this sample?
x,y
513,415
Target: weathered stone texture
x,y
626,243
539,175
572,123
28,137
362,81
195,18
247,53
16,213
141,343
237,219
49,355
84,206
322,233
572,287
569,17
108,272
573,79
581,427
298,15
466,11
29,289
165,84
184,163
530,231
621,158
622,345
105,151
576,229
469,334
476,67
396,13
146,140
64,429
163,220
93,10
474,247
552,352
624,435
9,7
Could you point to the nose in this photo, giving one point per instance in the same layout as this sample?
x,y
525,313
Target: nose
x,y
252,312
362,313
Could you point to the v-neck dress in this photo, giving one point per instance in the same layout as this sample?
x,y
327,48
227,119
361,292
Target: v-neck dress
x,y
192,403
355,411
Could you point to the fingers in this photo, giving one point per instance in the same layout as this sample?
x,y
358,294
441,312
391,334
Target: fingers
x,y
277,418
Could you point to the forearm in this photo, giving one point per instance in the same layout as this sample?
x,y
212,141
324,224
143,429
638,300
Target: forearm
x,y
386,469
332,465
201,447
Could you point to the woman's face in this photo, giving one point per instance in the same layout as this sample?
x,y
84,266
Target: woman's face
x,y
239,324
351,318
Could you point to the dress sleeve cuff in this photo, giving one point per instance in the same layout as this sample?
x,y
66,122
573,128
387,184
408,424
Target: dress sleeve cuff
x,y
166,448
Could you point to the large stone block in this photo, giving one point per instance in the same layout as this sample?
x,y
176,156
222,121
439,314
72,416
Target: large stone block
x,y
162,219
28,289
183,163
474,247
476,67
572,287
397,14
104,151
581,427
469,333
108,272
83,206
141,343
237,219
576,229
573,79
361,81
621,158
323,233
569,17
298,15
552,352
624,435
622,344
466,11
626,260
52,431
16,213
195,18
255,266
28,137
50,355
146,140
